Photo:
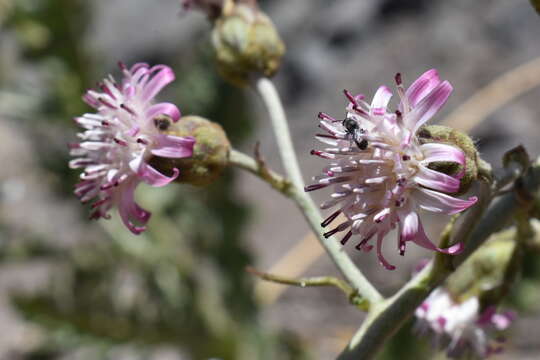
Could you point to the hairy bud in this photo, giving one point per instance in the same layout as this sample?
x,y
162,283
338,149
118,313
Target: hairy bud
x,y
246,43
210,153
446,135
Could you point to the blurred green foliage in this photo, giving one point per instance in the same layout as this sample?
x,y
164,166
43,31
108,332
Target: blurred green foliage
x,y
180,284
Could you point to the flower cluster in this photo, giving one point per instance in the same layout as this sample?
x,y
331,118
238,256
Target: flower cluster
x,y
462,326
121,137
380,171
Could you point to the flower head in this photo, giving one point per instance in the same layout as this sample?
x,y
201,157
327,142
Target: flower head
x,y
462,326
121,137
380,170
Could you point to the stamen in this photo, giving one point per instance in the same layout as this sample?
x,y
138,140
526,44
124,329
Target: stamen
x,y
331,218
106,103
106,90
339,228
354,102
326,136
323,116
346,238
314,187
398,79
128,109
100,202
321,154
120,142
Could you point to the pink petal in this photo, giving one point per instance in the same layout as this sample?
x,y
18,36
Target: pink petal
x,y
503,320
428,107
162,78
138,66
129,210
409,225
153,177
422,240
441,203
436,180
380,100
173,146
163,108
422,87
382,260
442,152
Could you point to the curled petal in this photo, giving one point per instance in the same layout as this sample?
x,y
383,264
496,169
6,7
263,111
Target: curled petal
x,y
441,203
162,78
129,210
428,107
441,152
153,177
422,86
422,240
173,146
380,100
163,109
382,260
436,180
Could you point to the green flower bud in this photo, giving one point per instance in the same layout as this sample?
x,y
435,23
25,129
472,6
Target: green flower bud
x,y
446,135
246,43
210,153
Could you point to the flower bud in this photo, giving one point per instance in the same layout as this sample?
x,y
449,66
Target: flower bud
x,y
210,153
446,135
246,43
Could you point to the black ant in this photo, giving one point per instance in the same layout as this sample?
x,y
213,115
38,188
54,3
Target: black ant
x,y
352,128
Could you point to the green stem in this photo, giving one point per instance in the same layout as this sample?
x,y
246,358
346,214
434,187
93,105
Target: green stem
x,y
269,95
345,265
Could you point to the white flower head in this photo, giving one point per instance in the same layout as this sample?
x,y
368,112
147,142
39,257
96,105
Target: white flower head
x,y
379,170
120,138
461,326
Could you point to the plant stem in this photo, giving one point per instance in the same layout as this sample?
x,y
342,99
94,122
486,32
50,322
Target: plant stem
x,y
305,282
345,265
269,95
387,317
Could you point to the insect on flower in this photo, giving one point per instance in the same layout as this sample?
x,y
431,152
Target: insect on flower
x,y
120,138
382,186
351,127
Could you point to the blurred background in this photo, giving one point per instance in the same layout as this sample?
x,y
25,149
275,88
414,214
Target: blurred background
x,y
73,289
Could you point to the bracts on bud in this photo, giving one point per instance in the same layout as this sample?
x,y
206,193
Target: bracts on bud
x,y
210,153
439,134
246,43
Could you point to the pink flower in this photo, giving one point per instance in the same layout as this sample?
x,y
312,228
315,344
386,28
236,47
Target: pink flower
x,y
461,325
120,138
380,171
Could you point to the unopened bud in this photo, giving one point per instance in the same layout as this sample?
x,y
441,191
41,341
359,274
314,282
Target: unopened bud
x,y
246,43
447,135
210,153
